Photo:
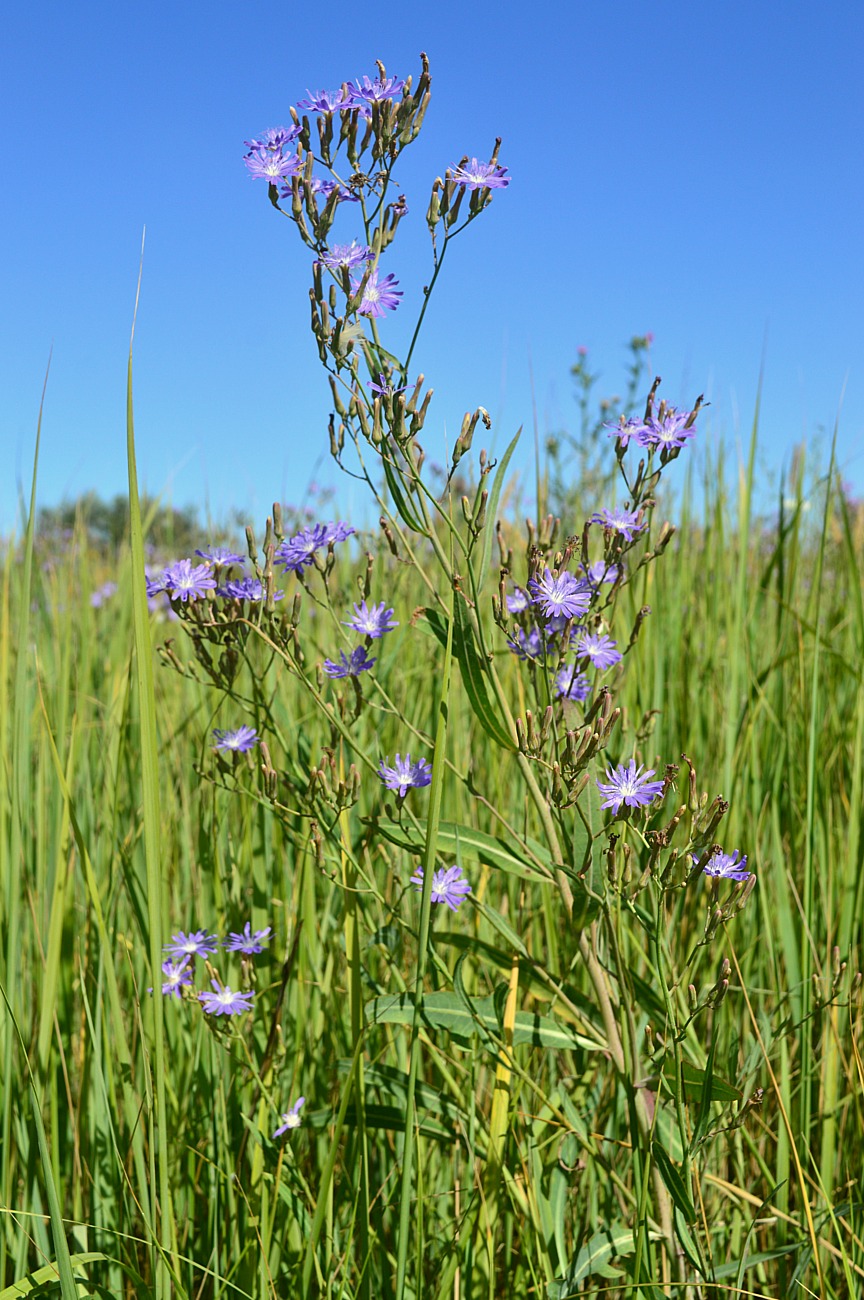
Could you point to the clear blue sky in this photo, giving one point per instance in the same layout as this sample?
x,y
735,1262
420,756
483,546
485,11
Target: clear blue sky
x,y
690,170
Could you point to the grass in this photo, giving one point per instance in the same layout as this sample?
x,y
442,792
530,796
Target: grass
x,y
529,1168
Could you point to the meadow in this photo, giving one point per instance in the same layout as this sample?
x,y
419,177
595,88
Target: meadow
x,y
289,1013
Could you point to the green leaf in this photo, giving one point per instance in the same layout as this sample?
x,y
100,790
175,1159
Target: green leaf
x,y
458,840
400,497
447,1011
614,1241
473,670
695,1081
674,1182
492,510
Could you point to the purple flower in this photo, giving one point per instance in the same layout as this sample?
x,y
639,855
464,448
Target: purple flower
x,y
103,593
298,551
247,942
187,582
382,387
198,943
246,589
372,620
220,557
518,601
224,1002
325,101
624,430
337,532
528,645
326,188
351,665
377,298
629,785
291,1118
349,255
562,595
599,648
726,866
620,520
480,176
373,92
240,741
404,773
447,886
267,165
600,571
155,585
275,139
669,429
571,685
177,976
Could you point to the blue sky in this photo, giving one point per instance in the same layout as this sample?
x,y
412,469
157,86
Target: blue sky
x,y
689,170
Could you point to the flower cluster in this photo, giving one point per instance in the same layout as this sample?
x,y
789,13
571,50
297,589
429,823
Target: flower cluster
x,y
221,999
373,622
298,552
667,429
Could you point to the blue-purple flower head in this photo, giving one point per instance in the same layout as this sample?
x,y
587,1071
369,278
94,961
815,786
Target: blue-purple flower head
x,y
239,741
571,684
274,140
619,520
325,188
629,785
726,866
326,101
372,620
220,557
290,1118
346,255
298,552
599,572
475,175
177,977
272,166
198,943
224,1001
518,601
349,665
382,388
448,886
528,645
251,589
367,92
247,942
184,581
404,774
669,428
378,297
599,648
560,594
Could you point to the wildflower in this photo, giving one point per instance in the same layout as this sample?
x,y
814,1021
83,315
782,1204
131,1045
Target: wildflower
x,y
600,571
404,773
726,866
326,101
154,586
239,741
619,520
563,594
198,943
669,429
298,552
225,1002
187,582
275,139
267,165
220,557
447,886
177,976
570,685
480,176
599,648
373,92
349,665
400,207
624,430
103,593
382,387
629,785
377,298
291,1118
528,645
251,589
326,188
349,255
518,601
247,942
337,532
372,620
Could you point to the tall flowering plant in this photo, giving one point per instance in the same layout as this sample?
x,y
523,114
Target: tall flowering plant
x,y
538,643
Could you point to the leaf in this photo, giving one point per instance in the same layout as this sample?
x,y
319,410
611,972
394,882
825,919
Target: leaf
x,y
473,671
695,1081
447,1011
400,498
674,1182
614,1241
462,841
492,510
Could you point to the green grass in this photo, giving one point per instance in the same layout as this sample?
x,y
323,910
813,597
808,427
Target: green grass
x,y
118,826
